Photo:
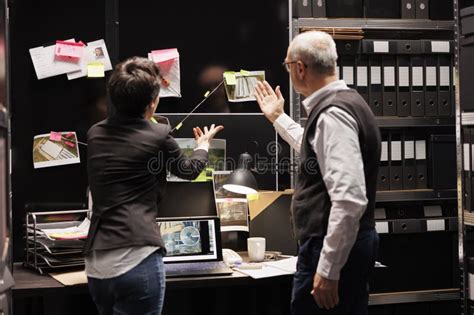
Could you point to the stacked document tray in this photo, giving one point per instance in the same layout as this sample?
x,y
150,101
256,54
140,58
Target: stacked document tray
x,y
54,240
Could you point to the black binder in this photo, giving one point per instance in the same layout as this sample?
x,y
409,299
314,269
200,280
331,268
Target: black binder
x,y
395,167
422,9
441,10
445,91
437,46
362,77
370,46
383,182
471,167
389,86
467,169
403,86
302,8
409,170
345,9
417,84
408,46
347,70
408,9
389,9
431,86
420,163
319,8
375,90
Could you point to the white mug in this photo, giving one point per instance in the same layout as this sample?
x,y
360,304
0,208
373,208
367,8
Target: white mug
x,y
256,248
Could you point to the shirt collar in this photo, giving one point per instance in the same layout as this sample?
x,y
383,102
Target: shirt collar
x,y
315,97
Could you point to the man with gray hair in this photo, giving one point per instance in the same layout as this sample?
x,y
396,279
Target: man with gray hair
x,y
334,199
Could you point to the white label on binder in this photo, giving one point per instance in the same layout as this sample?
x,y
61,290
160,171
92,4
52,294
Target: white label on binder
x,y
467,165
380,47
409,149
348,75
361,76
403,76
440,46
381,227
436,225
384,155
375,75
417,76
396,150
472,156
389,76
454,80
420,149
338,75
444,76
431,76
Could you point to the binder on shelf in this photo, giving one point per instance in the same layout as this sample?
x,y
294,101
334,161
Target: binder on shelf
x,y
408,46
347,67
422,9
441,10
409,170
348,47
395,167
408,9
445,91
437,46
370,46
431,86
467,199
420,163
417,84
471,173
389,86
345,9
319,8
383,182
403,86
302,8
375,89
387,9
362,77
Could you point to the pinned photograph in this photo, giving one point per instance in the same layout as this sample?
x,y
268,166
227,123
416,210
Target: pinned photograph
x,y
99,52
240,86
55,149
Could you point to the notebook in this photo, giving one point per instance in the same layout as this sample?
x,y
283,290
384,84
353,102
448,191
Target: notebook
x,y
193,246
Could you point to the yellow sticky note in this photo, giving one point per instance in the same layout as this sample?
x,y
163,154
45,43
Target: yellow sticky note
x,y
206,94
244,72
95,70
229,77
153,120
179,126
251,197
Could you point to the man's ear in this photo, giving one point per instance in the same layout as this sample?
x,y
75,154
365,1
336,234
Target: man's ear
x,y
301,69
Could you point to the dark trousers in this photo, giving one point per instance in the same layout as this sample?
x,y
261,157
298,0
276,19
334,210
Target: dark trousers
x,y
353,283
139,291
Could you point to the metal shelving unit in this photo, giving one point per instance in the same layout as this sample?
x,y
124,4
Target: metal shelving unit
x,y
414,297
416,195
400,122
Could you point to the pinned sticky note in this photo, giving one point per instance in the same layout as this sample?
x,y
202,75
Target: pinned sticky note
x,y
69,135
229,77
179,126
251,197
153,120
244,72
95,70
68,51
55,136
69,143
207,94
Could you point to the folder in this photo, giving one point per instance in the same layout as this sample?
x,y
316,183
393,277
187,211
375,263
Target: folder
x,y
395,167
445,91
403,87
408,47
431,86
417,84
409,170
319,8
375,90
347,67
420,163
389,86
467,200
383,182
408,9
302,8
362,77
422,9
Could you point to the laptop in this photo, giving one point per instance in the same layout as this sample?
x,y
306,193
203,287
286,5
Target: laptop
x,y
193,246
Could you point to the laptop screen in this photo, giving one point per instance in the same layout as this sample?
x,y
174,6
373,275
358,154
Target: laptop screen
x,y
191,239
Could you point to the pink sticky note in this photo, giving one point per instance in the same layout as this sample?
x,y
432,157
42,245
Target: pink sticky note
x,y
68,51
164,55
68,143
69,135
55,136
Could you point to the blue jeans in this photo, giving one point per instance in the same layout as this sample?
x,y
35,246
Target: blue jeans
x,y
353,282
141,290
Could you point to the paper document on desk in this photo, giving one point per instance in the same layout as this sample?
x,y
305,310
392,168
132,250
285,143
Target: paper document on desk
x,y
75,232
272,269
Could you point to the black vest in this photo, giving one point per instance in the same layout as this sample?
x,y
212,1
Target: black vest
x,y
311,203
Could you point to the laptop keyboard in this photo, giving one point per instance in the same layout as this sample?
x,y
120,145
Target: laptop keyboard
x,y
197,269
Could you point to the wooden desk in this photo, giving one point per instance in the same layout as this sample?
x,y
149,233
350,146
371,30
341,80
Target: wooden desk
x,y
234,294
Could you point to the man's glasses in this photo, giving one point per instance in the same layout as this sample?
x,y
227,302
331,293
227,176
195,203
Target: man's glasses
x,y
287,64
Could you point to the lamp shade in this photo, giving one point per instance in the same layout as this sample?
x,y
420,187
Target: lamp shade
x,y
242,181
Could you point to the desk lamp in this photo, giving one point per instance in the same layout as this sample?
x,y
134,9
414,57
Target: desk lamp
x,y
242,181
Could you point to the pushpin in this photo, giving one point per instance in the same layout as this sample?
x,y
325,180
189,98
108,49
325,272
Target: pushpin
x,y
179,126
207,93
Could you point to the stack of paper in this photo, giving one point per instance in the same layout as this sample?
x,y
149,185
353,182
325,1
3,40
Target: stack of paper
x,y
240,86
282,267
76,61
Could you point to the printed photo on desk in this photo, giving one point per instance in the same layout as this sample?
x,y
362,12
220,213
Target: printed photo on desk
x,y
232,208
217,156
55,149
